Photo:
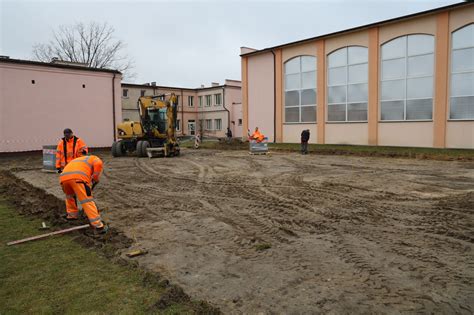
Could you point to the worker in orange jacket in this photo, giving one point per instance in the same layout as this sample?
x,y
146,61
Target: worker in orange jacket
x,y
69,148
77,181
257,136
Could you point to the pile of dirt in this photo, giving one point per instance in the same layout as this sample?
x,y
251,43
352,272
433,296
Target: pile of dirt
x,y
32,201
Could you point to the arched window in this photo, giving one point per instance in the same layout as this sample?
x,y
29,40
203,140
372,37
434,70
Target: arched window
x,y
300,89
407,78
347,84
462,74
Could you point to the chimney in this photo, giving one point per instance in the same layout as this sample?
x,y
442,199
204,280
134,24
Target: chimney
x,y
153,83
202,86
214,84
4,57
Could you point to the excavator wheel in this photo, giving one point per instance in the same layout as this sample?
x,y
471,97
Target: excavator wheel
x,y
141,148
117,149
145,145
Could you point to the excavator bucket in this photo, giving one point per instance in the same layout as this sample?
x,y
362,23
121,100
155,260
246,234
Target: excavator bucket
x,y
166,151
155,152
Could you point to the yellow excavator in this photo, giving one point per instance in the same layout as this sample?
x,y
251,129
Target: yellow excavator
x,y
154,134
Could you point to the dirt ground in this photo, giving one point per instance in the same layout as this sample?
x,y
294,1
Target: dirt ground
x,y
286,233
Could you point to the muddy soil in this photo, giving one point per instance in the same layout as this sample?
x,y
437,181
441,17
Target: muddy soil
x,y
287,233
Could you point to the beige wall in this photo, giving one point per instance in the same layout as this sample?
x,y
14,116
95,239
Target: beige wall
x,y
237,129
460,134
425,25
33,115
347,133
292,132
406,134
360,38
260,94
233,102
308,49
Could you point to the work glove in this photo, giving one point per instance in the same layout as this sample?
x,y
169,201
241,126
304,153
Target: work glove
x,y
59,170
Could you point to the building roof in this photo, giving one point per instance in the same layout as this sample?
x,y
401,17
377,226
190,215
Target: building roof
x,y
358,28
54,65
149,86
145,86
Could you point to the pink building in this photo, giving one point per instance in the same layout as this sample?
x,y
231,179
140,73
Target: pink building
x,y
207,110
38,100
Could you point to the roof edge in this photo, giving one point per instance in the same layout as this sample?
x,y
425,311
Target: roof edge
x,y
55,65
357,28
179,88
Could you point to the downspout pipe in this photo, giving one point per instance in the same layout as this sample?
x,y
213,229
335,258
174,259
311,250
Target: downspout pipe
x,y
274,96
113,107
182,113
223,104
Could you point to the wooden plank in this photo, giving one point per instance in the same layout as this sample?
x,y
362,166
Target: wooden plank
x,y
137,252
37,237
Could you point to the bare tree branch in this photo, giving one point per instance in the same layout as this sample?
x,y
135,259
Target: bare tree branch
x,y
93,44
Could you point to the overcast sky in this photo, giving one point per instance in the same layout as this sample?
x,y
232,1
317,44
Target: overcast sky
x,y
188,43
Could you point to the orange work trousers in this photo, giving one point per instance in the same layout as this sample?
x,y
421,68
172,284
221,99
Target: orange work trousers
x,y
78,189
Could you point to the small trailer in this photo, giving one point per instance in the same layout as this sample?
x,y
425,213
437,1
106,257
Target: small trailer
x,y
258,147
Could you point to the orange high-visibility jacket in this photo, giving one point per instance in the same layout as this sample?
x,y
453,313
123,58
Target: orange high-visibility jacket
x,y
257,136
68,150
85,168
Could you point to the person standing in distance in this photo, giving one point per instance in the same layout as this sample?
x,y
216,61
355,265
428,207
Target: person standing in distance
x,y
304,141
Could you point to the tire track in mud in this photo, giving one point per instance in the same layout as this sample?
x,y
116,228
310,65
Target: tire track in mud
x,y
296,202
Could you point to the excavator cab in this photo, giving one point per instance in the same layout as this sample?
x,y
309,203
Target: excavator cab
x,y
155,119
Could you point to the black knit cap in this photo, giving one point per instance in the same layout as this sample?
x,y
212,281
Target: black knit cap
x,y
67,131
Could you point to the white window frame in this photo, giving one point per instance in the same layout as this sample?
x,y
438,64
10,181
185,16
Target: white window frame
x,y
217,99
208,100
208,124
239,122
190,101
406,56
142,92
218,124
347,103
125,91
457,72
200,101
299,106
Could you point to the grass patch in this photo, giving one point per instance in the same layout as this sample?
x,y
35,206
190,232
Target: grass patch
x,y
263,246
57,275
358,150
363,150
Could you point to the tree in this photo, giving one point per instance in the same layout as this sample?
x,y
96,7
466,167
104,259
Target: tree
x,y
92,44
